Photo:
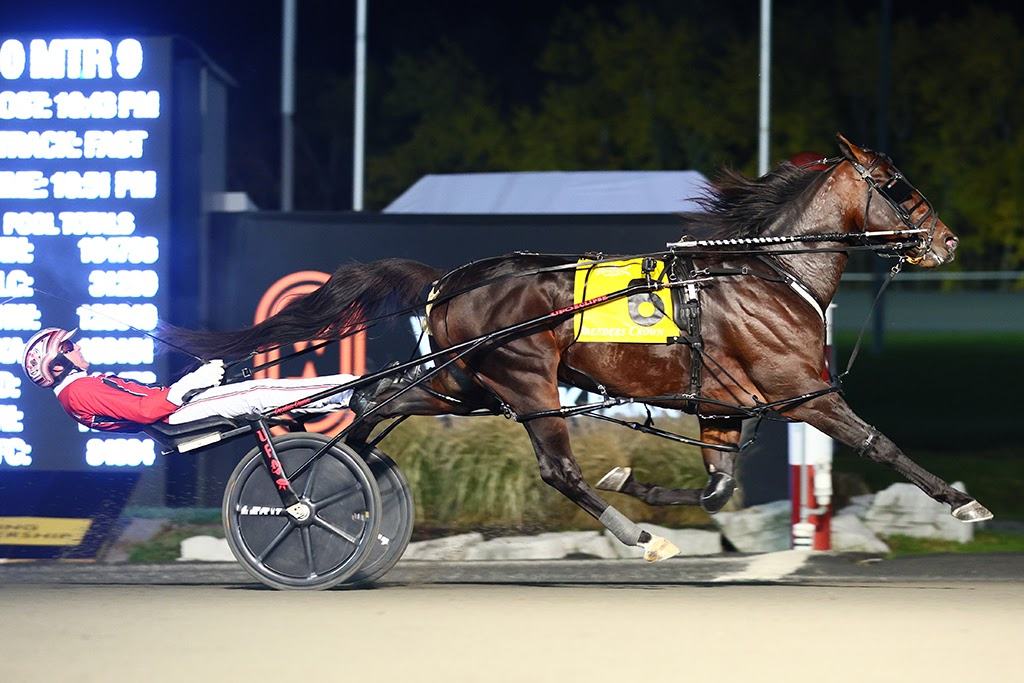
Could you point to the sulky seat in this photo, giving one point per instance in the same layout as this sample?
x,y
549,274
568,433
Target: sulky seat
x,y
189,436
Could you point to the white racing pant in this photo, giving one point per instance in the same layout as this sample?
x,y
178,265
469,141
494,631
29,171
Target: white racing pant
x,y
249,398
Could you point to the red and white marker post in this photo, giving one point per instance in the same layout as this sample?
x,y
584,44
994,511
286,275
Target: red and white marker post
x,y
810,474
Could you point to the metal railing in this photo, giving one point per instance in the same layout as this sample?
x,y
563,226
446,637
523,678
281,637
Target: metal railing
x,y
948,276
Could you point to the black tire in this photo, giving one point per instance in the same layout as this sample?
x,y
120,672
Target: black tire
x,y
287,555
398,517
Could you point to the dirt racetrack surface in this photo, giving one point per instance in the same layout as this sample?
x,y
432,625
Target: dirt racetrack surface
x,y
881,631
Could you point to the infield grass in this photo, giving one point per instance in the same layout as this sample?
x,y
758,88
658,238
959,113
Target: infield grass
x,y
480,474
939,391
984,542
951,401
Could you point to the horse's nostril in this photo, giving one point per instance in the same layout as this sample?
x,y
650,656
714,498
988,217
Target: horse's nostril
x,y
951,243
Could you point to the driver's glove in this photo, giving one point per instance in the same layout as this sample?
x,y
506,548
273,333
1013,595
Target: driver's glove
x,y
207,375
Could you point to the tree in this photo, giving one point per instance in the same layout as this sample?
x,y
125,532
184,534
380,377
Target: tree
x,y
660,85
959,121
441,111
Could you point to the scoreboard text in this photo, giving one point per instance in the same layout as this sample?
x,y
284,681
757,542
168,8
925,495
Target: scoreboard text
x,y
84,218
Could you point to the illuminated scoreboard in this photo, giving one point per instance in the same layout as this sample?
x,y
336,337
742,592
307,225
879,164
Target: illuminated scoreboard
x,y
85,161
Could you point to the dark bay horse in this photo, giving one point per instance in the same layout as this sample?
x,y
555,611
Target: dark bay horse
x,y
763,336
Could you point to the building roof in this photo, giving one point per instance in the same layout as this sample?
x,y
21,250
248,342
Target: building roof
x,y
553,192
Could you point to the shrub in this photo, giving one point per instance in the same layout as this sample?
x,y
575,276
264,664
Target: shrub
x,y
481,473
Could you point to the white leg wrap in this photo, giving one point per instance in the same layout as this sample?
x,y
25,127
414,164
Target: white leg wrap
x,y
617,523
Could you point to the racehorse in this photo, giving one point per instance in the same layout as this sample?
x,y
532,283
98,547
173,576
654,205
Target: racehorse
x,y
761,328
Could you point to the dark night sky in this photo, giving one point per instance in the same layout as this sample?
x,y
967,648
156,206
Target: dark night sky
x,y
502,38
252,27
244,37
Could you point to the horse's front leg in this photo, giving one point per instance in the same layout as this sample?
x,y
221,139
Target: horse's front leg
x,y
720,465
834,417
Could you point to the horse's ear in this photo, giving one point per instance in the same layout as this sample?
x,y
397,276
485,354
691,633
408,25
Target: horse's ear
x,y
852,151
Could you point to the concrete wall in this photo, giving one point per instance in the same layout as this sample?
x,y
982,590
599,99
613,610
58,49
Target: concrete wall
x,y
911,310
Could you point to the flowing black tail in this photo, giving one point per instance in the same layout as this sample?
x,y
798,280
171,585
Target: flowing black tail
x,y
355,293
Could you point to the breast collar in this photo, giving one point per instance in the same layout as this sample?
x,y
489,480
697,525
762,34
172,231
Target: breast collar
x,y
794,283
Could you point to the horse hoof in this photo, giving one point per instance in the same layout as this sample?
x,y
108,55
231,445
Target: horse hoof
x,y
972,512
718,492
658,549
615,479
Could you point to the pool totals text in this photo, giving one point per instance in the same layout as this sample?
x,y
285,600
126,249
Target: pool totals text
x,y
84,216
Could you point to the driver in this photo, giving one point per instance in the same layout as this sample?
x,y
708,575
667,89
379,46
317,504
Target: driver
x,y
107,402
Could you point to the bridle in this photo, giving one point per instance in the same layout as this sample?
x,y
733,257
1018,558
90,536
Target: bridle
x,y
897,192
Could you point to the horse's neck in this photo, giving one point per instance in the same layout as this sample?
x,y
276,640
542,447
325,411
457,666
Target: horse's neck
x,y
819,272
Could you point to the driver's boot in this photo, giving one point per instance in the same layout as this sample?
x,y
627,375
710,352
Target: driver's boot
x,y
366,399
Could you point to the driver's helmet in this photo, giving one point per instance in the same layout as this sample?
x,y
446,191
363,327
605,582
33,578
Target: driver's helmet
x,y
45,347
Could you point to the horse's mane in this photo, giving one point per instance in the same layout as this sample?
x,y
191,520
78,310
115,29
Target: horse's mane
x,y
737,206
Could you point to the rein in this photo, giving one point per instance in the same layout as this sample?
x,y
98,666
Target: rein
x,y
591,260
895,191
675,249
893,272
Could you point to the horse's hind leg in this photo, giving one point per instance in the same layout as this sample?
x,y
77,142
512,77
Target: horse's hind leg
x,y
558,468
834,417
720,466
532,387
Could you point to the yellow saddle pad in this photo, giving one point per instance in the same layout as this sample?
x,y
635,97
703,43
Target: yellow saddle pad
x,y
638,319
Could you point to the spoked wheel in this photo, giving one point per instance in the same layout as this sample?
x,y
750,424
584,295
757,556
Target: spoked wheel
x,y
322,551
398,516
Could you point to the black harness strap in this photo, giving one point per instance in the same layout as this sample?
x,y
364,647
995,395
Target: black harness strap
x,y
686,313
785,276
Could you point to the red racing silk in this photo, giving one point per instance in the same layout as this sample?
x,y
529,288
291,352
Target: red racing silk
x,y
111,403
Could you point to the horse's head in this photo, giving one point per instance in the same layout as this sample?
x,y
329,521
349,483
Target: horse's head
x,y
890,202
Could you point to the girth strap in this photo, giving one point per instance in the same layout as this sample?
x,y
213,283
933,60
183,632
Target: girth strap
x,y
686,313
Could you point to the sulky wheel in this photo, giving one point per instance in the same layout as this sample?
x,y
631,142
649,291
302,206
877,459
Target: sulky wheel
x,y
318,553
398,515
